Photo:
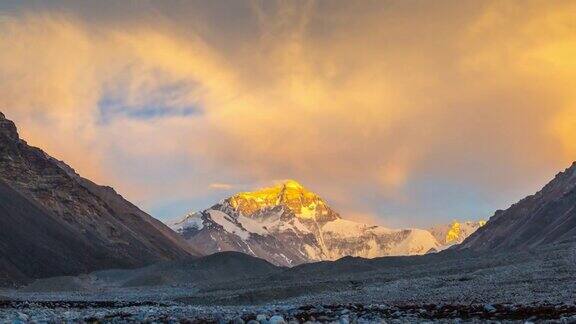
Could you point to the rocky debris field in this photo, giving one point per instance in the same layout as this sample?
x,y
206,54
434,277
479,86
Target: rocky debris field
x,y
532,286
127,312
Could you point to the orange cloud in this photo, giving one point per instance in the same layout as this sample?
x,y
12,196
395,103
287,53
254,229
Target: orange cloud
x,y
371,96
221,186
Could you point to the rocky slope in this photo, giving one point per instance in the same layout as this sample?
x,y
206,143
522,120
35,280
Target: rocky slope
x,y
549,216
65,224
33,243
289,225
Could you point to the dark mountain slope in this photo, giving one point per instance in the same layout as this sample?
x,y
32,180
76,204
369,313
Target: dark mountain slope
x,y
117,232
33,243
548,216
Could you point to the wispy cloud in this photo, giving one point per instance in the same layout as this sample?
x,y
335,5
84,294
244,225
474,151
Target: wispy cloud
x,y
221,186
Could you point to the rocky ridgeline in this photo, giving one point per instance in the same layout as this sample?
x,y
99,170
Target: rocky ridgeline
x,y
547,217
8,128
119,312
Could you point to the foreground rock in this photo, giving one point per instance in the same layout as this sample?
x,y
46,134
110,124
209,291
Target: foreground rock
x,y
348,313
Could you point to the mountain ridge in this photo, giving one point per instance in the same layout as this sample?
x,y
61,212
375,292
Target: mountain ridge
x,y
548,216
287,225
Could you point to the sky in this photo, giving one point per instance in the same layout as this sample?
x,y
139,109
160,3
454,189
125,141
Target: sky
x,y
398,113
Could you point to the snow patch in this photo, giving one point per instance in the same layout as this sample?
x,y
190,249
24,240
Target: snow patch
x,y
228,224
417,242
254,226
193,220
350,229
307,212
311,252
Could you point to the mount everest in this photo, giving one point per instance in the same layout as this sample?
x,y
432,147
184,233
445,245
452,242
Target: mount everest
x,y
289,225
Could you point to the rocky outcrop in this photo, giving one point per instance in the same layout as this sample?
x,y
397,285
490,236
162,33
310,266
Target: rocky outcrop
x,y
94,219
549,216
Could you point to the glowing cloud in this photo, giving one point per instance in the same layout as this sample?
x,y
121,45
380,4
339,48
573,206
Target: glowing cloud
x,y
221,186
365,103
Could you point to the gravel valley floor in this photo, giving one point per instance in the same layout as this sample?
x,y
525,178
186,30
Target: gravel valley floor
x,y
534,286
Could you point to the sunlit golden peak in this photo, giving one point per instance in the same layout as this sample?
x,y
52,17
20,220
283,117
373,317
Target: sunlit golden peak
x,y
455,233
290,194
289,183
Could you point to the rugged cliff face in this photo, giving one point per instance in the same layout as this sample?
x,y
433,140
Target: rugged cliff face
x,y
288,225
548,216
110,230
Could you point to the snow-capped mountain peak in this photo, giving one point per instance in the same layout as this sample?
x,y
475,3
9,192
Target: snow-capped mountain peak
x,y
288,224
290,194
